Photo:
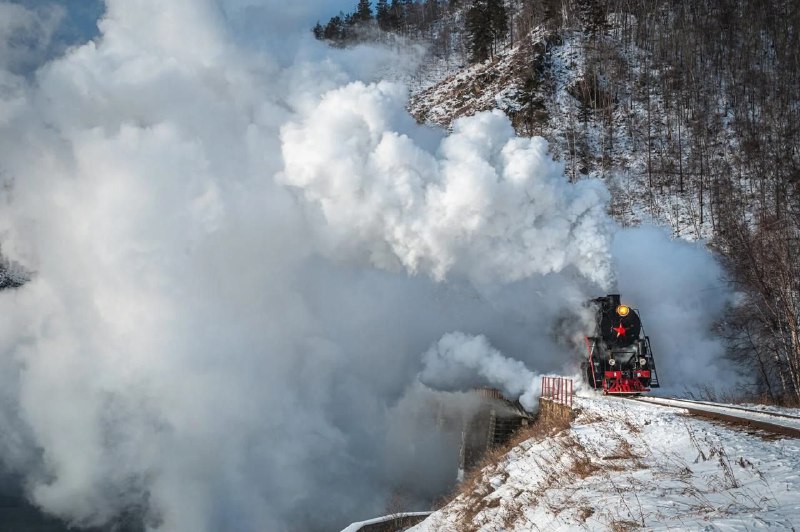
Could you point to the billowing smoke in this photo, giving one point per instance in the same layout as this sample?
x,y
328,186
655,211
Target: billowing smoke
x,y
462,361
482,203
680,298
242,265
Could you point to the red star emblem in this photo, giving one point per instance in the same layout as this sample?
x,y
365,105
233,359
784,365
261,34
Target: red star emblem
x,y
620,330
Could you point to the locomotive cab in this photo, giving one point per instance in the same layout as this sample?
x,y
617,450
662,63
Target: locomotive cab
x,y
620,359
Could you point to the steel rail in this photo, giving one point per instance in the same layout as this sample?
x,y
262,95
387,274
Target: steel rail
x,y
695,408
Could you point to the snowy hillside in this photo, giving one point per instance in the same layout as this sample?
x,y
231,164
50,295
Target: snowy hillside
x,y
687,114
549,86
624,466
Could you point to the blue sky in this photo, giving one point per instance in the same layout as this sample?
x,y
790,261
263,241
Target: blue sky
x,y
262,23
81,21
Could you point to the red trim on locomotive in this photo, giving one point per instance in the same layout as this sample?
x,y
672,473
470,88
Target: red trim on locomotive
x,y
622,385
591,362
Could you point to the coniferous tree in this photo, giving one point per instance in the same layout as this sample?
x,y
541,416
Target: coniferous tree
x,y
498,19
382,15
319,31
363,12
396,17
334,29
480,32
487,26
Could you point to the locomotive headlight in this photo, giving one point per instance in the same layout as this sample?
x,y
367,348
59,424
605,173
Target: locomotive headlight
x,y
623,310
642,361
611,361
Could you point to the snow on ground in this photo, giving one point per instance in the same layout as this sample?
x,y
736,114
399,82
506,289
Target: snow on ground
x,y
773,409
614,150
626,465
784,417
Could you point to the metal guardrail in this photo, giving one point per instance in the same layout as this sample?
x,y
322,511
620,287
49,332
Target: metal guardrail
x,y
388,523
558,390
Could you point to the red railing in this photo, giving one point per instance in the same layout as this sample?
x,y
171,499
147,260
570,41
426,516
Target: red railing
x,y
558,390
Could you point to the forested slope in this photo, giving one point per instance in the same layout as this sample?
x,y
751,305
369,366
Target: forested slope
x,y
688,110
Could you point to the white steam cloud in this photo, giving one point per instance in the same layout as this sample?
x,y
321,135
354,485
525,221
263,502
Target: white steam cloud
x,y
222,330
460,361
482,202
680,299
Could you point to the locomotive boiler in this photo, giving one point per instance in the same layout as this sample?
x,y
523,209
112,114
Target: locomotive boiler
x,y
620,358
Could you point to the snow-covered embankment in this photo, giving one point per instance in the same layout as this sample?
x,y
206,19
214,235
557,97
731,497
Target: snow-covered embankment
x,y
626,465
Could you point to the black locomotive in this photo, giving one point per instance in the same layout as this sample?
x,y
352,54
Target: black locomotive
x,y
620,359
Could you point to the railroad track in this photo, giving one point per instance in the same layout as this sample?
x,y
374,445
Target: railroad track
x,y
743,417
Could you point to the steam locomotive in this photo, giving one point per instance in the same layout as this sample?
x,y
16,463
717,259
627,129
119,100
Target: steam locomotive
x,y
620,359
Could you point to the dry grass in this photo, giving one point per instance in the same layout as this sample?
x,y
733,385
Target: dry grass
x,y
513,514
624,451
587,418
631,426
583,467
478,505
623,526
473,491
536,432
585,513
